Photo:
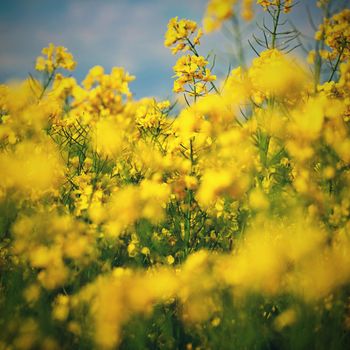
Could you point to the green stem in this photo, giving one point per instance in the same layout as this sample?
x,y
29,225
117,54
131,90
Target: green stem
x,y
194,91
337,63
47,84
275,22
238,41
319,47
187,237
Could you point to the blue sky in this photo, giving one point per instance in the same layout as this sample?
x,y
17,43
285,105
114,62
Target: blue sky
x,y
126,33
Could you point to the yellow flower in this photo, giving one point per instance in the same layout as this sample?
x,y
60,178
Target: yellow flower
x,y
258,200
191,72
179,32
287,4
286,318
335,31
170,260
218,11
276,74
56,57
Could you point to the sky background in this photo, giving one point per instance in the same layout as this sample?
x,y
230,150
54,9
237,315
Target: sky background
x,y
128,33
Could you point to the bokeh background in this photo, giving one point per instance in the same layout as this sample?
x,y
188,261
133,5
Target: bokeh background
x,y
128,33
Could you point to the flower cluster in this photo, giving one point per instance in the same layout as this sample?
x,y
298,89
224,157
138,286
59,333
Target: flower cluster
x,y
55,57
179,32
218,11
336,32
285,4
192,70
